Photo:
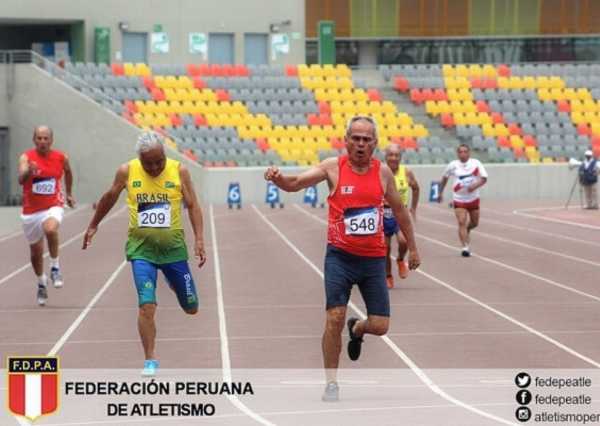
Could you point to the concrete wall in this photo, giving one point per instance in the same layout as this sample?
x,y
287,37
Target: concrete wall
x,y
177,17
514,181
96,140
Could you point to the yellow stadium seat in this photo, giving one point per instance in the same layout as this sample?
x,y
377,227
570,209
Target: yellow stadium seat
x,y
303,70
547,160
420,131
557,94
529,83
459,119
544,94
343,70
475,71
129,69
142,70
584,94
448,70
557,82
432,108
462,71
489,71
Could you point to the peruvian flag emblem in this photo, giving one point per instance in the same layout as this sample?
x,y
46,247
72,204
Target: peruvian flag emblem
x,y
32,386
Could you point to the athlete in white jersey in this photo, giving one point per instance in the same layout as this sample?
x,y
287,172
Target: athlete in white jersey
x,y
469,175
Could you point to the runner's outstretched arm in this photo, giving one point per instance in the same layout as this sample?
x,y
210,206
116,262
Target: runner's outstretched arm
x,y
106,203
414,199
295,183
194,212
402,217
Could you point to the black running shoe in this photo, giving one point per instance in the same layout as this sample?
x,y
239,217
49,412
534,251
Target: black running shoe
x,y
355,343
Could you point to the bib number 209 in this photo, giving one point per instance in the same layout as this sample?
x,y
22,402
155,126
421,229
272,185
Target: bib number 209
x,y
157,216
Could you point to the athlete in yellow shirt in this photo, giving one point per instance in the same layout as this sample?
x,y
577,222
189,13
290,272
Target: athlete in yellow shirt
x,y
404,179
156,187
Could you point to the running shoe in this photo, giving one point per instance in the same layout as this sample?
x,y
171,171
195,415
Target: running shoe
x,y
465,252
42,295
331,393
402,268
56,277
355,343
150,367
390,281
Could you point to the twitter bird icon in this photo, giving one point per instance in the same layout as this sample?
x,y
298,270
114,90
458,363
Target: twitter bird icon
x,y
522,380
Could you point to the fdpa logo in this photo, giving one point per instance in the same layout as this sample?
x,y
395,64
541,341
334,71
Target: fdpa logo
x,y
32,386
347,190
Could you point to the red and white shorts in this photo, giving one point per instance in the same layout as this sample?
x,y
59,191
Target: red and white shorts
x,y
468,205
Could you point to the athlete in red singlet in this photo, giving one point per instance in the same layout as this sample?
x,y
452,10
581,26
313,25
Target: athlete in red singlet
x,y
358,185
40,172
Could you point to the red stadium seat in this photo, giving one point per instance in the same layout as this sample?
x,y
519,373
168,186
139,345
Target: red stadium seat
x,y
216,70
176,120
401,84
476,83
374,95
200,120
504,142
416,96
482,106
228,70
291,70
440,95
199,83
497,118
447,120
204,69
193,70
489,83
503,70
563,106
529,140
337,143
514,129
222,95
262,144
313,119
158,94
241,71
148,82
117,69
584,129
324,107
130,106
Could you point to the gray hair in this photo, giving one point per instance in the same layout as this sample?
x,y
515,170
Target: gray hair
x,y
148,141
366,118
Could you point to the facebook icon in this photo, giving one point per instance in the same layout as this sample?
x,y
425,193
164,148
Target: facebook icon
x,y
523,397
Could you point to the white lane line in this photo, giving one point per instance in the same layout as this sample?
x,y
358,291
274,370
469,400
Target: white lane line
x,y
408,361
225,359
66,243
302,336
524,229
495,262
517,243
59,344
71,212
282,413
561,221
515,269
489,308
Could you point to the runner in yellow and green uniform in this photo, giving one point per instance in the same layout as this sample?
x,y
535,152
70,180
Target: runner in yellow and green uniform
x,y
156,187
405,180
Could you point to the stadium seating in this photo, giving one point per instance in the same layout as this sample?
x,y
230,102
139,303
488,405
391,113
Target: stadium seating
x,y
247,115
523,112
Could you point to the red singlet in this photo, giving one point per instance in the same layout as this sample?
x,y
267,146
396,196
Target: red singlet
x,y
42,190
356,211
